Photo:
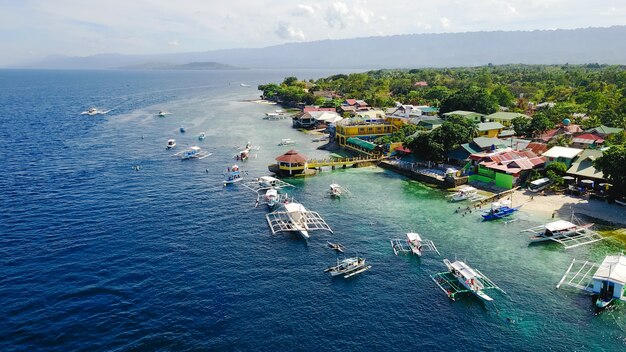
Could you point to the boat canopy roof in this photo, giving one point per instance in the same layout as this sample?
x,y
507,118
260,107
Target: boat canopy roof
x,y
559,225
412,236
294,207
467,189
464,269
613,268
268,178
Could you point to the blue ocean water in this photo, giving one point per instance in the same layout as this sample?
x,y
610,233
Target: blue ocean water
x,y
96,256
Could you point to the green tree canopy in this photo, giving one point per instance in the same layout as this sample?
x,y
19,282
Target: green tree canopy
x,y
471,99
613,166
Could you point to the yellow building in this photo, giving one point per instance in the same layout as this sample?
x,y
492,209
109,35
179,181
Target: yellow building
x,y
489,129
365,129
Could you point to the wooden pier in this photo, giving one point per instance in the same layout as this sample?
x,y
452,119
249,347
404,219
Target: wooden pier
x,y
308,167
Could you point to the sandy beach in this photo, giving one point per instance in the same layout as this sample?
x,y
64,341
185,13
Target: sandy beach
x,y
562,205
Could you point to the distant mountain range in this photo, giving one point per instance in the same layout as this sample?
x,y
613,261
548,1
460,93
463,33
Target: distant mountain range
x,y
190,66
576,46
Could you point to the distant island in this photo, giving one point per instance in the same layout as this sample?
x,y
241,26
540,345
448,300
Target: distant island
x,y
601,45
210,65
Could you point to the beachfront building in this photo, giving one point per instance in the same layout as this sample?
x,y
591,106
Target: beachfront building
x,y
365,129
469,115
311,119
561,154
582,168
604,131
291,163
503,168
489,129
505,118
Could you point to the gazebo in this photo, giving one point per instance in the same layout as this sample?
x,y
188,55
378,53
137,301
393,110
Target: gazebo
x,y
292,162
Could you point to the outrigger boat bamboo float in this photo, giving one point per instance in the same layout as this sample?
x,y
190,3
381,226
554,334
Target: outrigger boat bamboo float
x,y
461,278
267,190
564,232
413,244
348,267
296,218
608,280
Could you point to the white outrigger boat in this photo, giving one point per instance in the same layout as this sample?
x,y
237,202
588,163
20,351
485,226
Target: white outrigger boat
x,y
232,175
608,280
348,267
270,185
466,193
296,218
564,232
286,141
193,153
277,115
461,278
94,111
336,191
171,143
201,136
413,244
244,153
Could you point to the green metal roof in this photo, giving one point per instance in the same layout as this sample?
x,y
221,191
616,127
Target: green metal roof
x,y
361,143
488,126
430,109
583,165
503,115
462,113
605,130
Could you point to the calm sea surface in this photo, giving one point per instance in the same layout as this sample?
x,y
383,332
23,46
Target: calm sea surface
x,y
95,256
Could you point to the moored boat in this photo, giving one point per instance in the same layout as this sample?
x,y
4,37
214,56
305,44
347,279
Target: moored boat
x,y
171,143
499,210
182,129
286,141
465,193
201,136
556,230
193,152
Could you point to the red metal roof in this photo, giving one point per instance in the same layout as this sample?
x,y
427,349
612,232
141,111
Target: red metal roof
x,y
351,101
403,149
314,108
588,138
292,157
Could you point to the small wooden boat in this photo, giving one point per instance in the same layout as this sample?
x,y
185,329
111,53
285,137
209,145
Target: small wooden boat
x,y
171,143
336,246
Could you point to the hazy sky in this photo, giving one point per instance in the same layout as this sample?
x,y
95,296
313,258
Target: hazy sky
x,y
31,29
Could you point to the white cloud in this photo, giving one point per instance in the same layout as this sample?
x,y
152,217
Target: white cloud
x,y
288,32
173,43
337,15
305,10
445,22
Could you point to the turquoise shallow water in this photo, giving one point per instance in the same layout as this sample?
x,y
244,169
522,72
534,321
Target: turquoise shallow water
x,y
96,256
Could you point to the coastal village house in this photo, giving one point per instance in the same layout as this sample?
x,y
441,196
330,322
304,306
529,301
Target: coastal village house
x,y
587,140
565,129
430,124
561,154
604,131
489,129
469,115
412,111
582,168
505,118
503,168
